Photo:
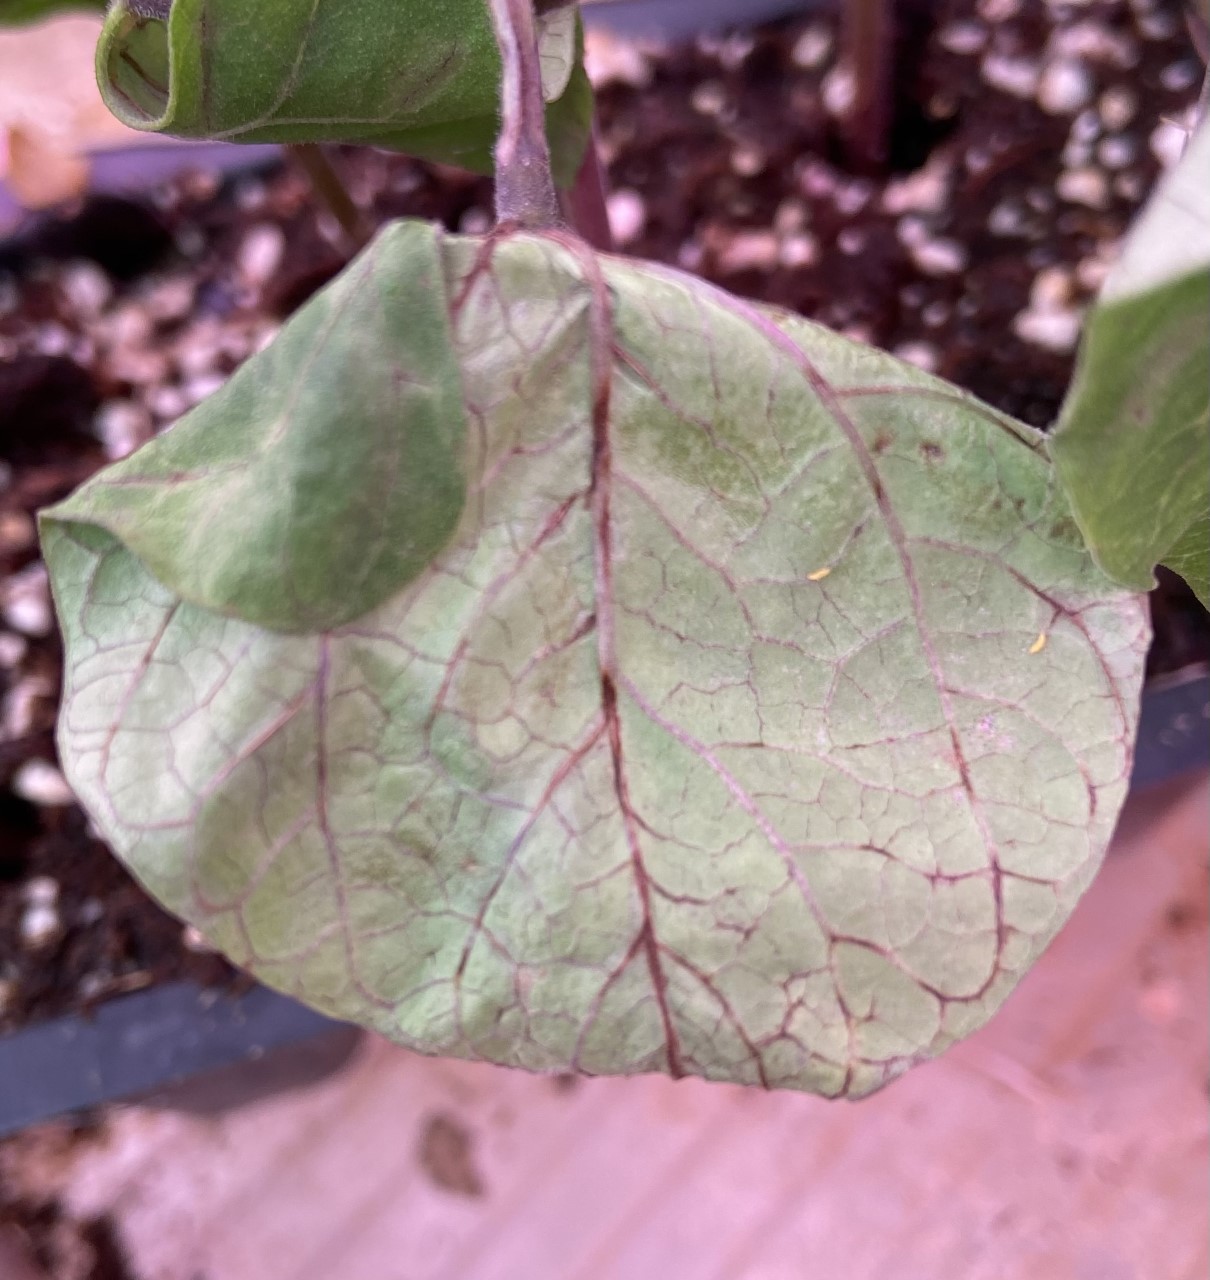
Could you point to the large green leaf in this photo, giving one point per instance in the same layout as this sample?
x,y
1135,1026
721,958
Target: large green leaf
x,y
762,716
406,74
1133,440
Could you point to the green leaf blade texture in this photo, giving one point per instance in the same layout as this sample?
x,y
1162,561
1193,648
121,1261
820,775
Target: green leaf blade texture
x,y
762,718
1133,440
403,74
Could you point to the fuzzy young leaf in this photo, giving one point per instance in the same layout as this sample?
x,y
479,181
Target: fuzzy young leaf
x,y
761,716
1133,441
405,74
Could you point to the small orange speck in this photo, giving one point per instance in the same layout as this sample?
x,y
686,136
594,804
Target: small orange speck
x,y
1039,644
819,575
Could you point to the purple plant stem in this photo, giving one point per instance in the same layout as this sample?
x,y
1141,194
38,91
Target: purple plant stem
x,y
869,45
525,189
313,161
584,203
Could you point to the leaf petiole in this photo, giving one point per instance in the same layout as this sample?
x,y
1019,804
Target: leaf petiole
x,y
327,184
525,188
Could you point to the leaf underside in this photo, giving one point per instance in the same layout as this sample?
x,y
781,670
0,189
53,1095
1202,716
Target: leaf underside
x,y
407,75
1133,441
761,715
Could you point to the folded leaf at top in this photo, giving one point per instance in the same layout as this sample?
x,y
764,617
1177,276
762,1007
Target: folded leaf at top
x,y
324,475
761,716
410,75
1133,440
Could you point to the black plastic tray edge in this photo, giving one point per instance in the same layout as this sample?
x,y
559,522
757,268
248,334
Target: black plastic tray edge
x,y
141,1043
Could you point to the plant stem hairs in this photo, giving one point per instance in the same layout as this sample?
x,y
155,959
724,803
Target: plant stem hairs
x,y
148,8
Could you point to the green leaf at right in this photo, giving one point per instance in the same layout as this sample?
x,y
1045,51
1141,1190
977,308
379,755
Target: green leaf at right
x,y
1133,441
